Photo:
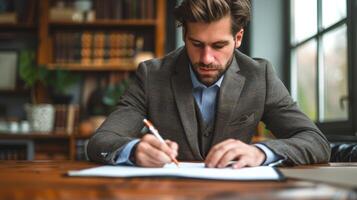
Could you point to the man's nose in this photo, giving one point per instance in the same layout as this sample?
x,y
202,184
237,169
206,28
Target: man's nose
x,y
207,56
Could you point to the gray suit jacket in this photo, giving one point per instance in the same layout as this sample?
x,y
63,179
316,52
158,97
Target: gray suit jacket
x,y
250,92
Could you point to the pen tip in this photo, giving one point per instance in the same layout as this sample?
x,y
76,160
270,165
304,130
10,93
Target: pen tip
x,y
148,123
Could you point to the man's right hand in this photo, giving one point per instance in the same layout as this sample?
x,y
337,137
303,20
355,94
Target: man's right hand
x,y
150,152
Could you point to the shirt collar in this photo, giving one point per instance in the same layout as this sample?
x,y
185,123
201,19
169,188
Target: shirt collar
x,y
197,84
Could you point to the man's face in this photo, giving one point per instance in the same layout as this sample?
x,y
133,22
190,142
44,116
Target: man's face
x,y
210,48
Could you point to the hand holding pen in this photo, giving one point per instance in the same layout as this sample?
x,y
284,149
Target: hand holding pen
x,y
154,131
153,151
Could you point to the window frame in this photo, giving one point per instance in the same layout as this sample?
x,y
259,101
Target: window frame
x,y
338,130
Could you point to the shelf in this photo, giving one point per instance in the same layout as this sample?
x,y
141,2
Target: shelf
x,y
16,26
92,67
50,145
38,135
34,135
19,91
105,23
20,136
11,27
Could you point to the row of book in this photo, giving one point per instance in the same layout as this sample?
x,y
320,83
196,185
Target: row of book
x,y
89,10
80,149
93,47
125,9
17,11
15,151
12,155
66,118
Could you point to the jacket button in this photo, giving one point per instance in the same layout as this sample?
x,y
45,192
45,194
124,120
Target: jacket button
x,y
104,154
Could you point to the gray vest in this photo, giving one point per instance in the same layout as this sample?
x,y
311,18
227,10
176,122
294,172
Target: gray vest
x,y
205,133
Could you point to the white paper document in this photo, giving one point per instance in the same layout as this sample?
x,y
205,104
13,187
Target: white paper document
x,y
186,170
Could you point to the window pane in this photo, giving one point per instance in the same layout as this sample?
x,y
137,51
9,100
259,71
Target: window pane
x,y
333,11
305,62
304,19
335,70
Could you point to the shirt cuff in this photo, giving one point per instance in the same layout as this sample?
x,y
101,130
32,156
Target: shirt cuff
x,y
124,153
270,156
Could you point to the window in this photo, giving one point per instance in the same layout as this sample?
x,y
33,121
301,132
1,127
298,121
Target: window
x,y
321,35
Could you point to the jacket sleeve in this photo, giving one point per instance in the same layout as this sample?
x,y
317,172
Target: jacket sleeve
x,y
298,141
123,125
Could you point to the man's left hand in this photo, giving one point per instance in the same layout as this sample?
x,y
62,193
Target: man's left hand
x,y
244,154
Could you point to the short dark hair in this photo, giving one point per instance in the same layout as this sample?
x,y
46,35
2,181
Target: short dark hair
x,y
213,10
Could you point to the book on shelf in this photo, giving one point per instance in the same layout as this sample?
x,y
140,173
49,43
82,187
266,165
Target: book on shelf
x,y
95,48
124,9
98,48
16,150
66,118
49,151
87,45
117,9
17,11
103,9
8,17
13,152
65,14
71,11
72,118
60,116
80,149
26,10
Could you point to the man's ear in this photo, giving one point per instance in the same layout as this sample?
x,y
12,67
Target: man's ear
x,y
239,37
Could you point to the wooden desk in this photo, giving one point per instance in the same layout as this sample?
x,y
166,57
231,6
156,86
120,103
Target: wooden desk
x,y
48,180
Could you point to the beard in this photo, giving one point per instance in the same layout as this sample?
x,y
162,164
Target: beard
x,y
214,72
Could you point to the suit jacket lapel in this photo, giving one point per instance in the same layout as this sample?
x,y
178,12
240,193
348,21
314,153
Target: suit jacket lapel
x,y
229,94
182,87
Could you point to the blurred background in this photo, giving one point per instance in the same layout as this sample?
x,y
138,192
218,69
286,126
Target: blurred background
x,y
65,63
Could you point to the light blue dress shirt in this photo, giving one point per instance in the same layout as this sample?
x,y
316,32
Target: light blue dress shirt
x,y
205,98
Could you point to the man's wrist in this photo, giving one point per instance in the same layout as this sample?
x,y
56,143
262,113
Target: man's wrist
x,y
132,157
262,155
270,156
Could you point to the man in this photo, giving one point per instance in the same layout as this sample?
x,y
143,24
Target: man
x,y
207,99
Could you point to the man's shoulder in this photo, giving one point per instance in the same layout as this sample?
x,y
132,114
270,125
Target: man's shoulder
x,y
248,62
166,62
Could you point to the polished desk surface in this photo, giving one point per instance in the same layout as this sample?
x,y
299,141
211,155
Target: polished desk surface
x,y
48,180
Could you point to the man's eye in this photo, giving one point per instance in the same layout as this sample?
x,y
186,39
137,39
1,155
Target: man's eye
x,y
197,45
218,46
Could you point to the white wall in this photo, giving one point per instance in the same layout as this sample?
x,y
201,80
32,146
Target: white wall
x,y
179,41
267,27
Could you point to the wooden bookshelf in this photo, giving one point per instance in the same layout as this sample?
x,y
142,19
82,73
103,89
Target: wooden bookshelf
x,y
33,135
43,30
47,27
105,23
12,26
92,67
59,145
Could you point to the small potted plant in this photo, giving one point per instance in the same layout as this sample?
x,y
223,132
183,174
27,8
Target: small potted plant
x,y
61,82
41,114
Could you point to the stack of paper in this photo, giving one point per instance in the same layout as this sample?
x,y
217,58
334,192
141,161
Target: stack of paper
x,y
185,170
